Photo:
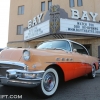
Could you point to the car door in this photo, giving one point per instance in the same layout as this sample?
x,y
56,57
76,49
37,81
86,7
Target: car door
x,y
80,58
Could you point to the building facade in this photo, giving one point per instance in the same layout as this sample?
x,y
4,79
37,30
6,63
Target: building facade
x,y
35,21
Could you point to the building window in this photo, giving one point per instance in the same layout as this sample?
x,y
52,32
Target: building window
x,y
20,10
42,6
71,3
19,29
49,4
79,3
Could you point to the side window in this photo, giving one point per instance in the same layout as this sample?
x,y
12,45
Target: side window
x,y
79,48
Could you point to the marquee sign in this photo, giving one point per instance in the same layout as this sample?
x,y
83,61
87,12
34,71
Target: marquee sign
x,y
77,26
57,23
36,20
37,31
85,15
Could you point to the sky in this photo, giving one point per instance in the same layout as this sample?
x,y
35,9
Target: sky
x,y
4,22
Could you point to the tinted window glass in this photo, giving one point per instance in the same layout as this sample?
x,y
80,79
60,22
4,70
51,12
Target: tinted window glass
x,y
55,44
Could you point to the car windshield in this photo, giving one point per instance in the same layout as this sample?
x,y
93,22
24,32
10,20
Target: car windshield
x,y
57,45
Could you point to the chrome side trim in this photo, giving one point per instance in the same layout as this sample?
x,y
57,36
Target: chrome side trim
x,y
13,63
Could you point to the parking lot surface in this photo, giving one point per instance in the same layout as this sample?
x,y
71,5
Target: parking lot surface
x,y
81,88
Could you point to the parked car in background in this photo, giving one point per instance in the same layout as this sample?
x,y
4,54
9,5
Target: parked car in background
x,y
99,61
46,66
1,49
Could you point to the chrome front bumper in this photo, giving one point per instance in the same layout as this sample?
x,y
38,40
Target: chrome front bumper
x,y
15,77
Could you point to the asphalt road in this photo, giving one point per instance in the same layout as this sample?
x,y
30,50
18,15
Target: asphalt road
x,y
78,89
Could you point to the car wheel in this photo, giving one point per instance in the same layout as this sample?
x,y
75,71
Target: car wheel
x,y
49,83
93,73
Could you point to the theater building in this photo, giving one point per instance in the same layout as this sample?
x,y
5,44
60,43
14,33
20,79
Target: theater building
x,y
35,21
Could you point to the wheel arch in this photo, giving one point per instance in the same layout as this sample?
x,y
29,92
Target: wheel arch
x,y
59,71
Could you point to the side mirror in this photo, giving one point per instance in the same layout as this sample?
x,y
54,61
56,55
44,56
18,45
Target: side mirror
x,y
74,50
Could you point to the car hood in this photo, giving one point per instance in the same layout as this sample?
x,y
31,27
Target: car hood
x,y
15,54
11,54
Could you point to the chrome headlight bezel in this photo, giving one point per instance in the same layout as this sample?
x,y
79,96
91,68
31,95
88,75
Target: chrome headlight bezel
x,y
26,55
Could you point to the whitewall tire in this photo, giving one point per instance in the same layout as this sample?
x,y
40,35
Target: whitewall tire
x,y
93,72
49,83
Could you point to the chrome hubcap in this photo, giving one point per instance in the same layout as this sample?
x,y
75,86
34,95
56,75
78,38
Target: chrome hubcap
x,y
49,81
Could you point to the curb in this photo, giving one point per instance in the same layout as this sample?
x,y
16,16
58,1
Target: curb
x,y
98,71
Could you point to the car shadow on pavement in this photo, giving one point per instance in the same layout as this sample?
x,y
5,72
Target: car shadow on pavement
x,y
64,90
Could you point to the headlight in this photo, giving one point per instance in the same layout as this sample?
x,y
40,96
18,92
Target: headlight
x,y
26,55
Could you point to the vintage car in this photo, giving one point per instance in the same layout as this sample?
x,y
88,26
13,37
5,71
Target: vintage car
x,y
52,62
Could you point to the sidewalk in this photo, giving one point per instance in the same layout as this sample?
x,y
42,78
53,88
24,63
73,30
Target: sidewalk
x,y
98,71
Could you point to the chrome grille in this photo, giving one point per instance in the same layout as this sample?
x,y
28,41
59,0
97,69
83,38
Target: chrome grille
x,y
5,65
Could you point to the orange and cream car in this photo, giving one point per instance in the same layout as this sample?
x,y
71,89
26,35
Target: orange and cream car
x,y
44,67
